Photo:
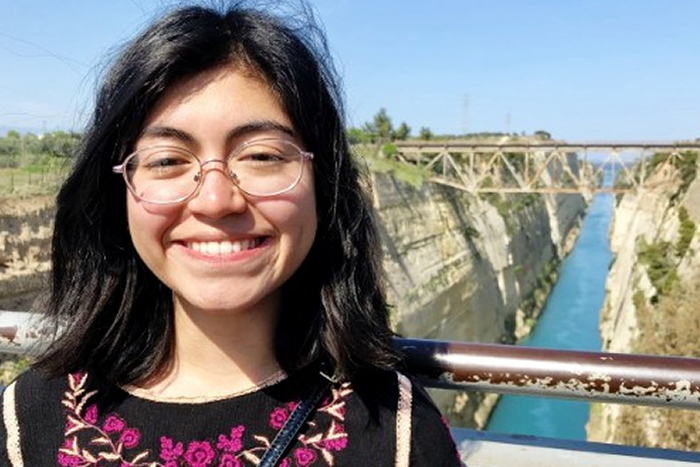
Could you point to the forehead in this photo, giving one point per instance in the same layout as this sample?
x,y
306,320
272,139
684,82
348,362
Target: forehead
x,y
221,98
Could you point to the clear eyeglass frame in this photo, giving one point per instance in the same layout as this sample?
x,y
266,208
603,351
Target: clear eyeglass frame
x,y
198,178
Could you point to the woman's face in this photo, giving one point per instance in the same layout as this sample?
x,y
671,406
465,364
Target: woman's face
x,y
222,251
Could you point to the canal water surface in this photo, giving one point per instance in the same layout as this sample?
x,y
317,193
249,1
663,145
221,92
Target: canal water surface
x,y
569,321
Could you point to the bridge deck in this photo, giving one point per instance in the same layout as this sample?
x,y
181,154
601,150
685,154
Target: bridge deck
x,y
546,166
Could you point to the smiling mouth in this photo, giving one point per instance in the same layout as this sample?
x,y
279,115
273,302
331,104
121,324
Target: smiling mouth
x,y
225,247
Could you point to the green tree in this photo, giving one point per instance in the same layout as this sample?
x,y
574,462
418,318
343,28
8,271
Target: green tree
x,y
425,133
402,132
358,136
383,126
11,144
31,144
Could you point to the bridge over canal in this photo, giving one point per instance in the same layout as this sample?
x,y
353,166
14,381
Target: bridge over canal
x,y
546,166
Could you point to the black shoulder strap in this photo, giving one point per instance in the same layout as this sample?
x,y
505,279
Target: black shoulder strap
x,y
293,424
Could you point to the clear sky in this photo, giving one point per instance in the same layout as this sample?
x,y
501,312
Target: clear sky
x,y
581,69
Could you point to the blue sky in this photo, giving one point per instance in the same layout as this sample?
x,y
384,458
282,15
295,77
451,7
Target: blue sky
x,y
598,70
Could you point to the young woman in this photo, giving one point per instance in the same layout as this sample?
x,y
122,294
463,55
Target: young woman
x,y
216,271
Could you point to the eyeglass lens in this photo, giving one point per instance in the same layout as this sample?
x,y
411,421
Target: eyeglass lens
x,y
164,174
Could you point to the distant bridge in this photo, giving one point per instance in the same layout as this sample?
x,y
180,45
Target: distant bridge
x,y
546,166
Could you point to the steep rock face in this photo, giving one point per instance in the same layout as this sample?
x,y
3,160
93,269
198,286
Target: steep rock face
x,y
648,218
25,245
458,269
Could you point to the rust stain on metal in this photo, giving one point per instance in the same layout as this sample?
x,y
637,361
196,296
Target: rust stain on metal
x,y
636,379
8,332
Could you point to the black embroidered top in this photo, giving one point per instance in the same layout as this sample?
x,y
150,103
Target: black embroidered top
x,y
69,422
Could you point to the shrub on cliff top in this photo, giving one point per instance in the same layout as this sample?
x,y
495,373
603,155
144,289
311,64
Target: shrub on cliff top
x,y
659,266
686,232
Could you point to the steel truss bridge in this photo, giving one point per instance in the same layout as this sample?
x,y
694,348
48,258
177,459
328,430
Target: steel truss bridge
x,y
546,166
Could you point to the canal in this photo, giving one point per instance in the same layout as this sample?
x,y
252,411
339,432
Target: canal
x,y
569,321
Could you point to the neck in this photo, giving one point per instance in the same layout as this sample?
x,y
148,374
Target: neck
x,y
219,353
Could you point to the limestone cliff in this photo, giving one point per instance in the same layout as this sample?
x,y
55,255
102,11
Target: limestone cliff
x,y
459,267
469,268
651,303
25,245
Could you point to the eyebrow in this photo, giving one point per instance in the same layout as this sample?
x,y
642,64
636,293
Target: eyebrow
x,y
239,131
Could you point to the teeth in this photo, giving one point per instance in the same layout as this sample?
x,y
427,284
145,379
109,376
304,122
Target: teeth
x,y
223,248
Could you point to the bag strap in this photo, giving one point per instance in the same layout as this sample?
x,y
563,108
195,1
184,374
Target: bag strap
x,y
291,427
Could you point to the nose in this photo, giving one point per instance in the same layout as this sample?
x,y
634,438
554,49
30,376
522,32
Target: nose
x,y
217,196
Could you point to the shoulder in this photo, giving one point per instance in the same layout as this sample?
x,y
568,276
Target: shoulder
x,y
31,413
33,399
32,388
431,439
399,401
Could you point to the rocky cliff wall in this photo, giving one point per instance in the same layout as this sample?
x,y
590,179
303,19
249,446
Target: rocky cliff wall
x,y
459,267
25,245
464,268
641,310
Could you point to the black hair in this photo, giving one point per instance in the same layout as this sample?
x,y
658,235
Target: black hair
x,y
115,317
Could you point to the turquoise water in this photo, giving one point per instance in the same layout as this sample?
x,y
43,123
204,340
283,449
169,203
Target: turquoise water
x,y
568,321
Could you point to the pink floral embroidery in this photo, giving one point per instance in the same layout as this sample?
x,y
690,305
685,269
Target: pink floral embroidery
x,y
130,438
68,460
337,444
305,456
113,424
170,451
278,417
231,444
91,414
199,454
113,443
229,460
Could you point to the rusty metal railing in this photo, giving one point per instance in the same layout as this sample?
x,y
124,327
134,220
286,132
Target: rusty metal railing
x,y
592,376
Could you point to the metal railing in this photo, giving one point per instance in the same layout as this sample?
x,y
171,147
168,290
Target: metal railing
x,y
593,376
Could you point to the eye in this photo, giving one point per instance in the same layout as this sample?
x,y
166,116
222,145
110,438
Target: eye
x,y
262,155
164,162
265,157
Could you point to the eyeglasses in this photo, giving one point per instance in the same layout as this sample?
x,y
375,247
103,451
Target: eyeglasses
x,y
171,174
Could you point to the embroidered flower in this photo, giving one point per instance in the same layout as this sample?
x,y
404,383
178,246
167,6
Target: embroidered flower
x,y
199,454
113,424
336,444
278,417
233,443
91,414
90,442
229,460
67,460
170,451
68,454
305,456
130,437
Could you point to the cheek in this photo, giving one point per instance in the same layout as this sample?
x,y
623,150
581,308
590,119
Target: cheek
x,y
296,220
147,226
